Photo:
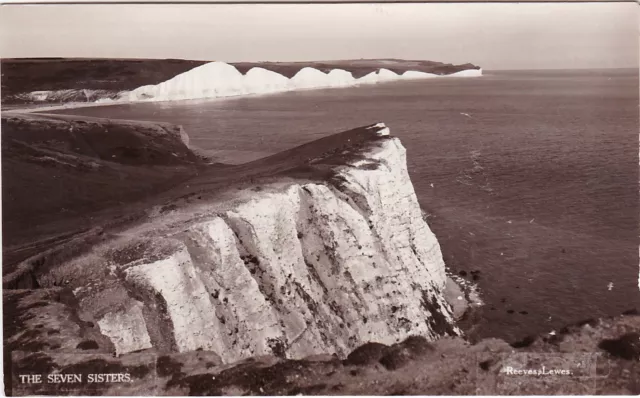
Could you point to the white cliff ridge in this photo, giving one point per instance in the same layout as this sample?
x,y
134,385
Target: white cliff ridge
x,y
296,269
219,79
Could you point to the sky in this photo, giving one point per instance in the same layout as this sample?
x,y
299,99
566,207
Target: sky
x,y
492,35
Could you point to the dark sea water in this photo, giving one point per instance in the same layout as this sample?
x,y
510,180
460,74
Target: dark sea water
x,y
529,177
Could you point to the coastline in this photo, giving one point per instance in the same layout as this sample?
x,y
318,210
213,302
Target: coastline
x,y
227,71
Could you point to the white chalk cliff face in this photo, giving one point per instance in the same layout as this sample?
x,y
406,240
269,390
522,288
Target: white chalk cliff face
x,y
295,269
219,79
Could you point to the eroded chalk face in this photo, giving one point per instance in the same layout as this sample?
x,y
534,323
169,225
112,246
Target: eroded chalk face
x,y
219,79
292,270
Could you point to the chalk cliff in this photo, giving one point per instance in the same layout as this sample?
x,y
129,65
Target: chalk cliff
x,y
219,79
294,267
151,82
293,270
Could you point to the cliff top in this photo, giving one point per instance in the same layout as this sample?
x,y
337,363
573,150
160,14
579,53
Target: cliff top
x,y
125,168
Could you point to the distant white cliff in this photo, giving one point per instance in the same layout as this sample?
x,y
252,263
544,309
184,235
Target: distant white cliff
x,y
219,79
292,269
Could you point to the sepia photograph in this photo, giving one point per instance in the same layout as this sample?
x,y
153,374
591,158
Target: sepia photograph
x,y
320,199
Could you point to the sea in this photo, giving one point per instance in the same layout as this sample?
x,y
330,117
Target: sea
x,y
529,178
